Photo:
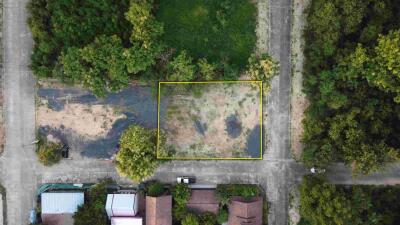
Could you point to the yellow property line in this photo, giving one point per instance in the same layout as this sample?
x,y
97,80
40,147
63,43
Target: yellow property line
x,y
209,82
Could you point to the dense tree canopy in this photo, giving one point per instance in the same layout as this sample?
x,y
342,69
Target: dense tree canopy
x,y
322,203
352,54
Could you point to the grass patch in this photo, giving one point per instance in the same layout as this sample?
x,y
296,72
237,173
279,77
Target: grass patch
x,y
221,31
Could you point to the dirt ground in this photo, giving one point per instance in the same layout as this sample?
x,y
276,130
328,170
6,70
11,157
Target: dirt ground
x,y
299,101
92,121
294,205
186,114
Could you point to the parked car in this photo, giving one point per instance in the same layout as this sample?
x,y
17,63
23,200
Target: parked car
x,y
186,180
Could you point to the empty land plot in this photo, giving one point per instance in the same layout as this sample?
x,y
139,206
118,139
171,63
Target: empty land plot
x,y
210,120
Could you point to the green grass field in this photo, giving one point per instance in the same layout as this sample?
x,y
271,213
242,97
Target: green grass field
x,y
221,31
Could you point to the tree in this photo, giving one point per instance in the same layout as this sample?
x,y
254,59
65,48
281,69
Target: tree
x,y
207,70
99,66
146,29
190,219
93,211
381,65
136,158
139,59
49,153
58,25
181,68
262,68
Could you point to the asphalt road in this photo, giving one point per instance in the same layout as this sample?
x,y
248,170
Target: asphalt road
x,y
277,172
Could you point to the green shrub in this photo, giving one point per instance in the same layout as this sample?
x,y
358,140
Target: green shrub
x,y
156,189
92,212
190,219
208,219
222,216
224,192
179,212
49,153
262,68
181,194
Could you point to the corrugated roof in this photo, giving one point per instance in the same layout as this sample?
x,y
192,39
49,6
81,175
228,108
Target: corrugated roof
x,y
122,205
203,200
126,221
242,212
158,210
56,203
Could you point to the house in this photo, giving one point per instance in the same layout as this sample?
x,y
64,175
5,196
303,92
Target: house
x,y
159,210
203,200
122,205
58,208
245,212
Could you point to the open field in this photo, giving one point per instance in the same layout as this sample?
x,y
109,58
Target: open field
x,y
211,120
91,127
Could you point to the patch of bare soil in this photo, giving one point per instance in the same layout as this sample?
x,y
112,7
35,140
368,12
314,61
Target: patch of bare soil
x,y
262,29
294,206
92,121
218,102
299,101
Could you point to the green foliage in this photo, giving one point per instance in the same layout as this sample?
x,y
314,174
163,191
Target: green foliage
x,y
224,192
190,219
207,219
207,70
145,28
136,158
381,65
262,68
222,216
322,203
62,24
93,211
181,194
181,68
139,59
350,78
155,189
216,30
49,153
99,66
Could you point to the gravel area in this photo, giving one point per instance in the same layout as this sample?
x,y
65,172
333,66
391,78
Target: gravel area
x,y
299,101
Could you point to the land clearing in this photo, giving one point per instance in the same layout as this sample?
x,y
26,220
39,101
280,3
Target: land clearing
x,y
299,100
210,120
92,126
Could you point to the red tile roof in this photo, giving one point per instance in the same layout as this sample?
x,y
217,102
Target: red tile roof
x,y
203,200
158,210
245,213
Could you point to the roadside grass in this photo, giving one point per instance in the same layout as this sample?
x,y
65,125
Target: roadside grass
x,y
220,31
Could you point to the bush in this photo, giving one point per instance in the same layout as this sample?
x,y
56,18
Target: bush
x,y
262,68
156,189
49,153
224,192
222,216
93,211
136,158
207,219
181,194
190,219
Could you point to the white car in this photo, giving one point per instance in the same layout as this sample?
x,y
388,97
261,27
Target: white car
x,y
185,180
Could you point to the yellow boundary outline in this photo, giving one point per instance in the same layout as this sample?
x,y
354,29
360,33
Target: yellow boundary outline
x,y
209,82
